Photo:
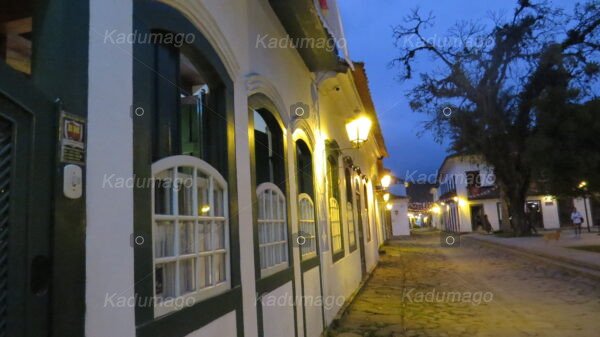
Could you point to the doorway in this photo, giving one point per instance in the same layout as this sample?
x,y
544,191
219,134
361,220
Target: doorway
x,y
476,217
534,208
24,245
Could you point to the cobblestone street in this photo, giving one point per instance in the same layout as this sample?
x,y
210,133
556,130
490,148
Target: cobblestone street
x,y
422,289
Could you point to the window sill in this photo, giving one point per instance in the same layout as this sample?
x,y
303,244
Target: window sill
x,y
273,270
338,256
176,304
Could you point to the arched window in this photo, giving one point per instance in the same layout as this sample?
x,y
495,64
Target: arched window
x,y
306,209
336,226
185,118
190,231
271,208
337,242
272,228
350,209
307,225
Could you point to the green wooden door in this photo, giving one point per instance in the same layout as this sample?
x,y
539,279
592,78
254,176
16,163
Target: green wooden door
x,y
24,259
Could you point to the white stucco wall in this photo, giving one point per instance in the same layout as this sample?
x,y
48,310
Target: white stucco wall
x,y
312,294
399,215
581,207
280,74
278,318
109,254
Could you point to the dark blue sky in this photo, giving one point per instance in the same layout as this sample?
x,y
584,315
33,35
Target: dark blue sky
x,y
368,26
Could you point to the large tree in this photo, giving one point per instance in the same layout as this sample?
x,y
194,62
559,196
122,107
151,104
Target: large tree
x,y
500,81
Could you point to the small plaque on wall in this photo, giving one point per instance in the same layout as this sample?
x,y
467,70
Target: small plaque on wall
x,y
72,139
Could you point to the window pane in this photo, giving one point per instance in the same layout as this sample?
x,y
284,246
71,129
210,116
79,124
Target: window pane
x,y
203,188
185,188
163,193
218,201
186,238
219,235
204,236
164,239
219,268
187,275
165,280
205,271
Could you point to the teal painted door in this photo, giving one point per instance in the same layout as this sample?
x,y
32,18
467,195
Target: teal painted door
x,y
24,260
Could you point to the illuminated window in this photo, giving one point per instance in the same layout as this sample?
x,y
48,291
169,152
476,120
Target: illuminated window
x,y
334,208
307,225
190,231
272,229
190,219
272,205
367,215
306,209
336,226
350,210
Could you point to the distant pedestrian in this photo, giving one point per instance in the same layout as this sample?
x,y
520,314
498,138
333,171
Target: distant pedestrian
x,y
486,224
577,220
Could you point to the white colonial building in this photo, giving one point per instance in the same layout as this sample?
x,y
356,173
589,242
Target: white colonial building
x,y
467,192
183,168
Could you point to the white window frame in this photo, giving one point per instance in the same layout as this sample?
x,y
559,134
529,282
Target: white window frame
x,y
307,225
215,179
275,191
336,226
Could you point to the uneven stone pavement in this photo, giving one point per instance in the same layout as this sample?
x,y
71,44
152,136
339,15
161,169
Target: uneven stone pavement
x,y
528,297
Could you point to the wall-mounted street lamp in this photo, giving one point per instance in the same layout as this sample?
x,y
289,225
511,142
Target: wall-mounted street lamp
x,y
358,130
386,197
389,206
386,181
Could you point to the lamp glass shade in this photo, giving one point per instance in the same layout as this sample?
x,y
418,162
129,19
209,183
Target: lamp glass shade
x,y
358,130
386,180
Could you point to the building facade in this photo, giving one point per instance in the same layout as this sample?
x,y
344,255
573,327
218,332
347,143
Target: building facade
x,y
467,192
182,168
399,216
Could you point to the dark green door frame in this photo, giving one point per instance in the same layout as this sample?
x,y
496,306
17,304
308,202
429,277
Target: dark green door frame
x,y
55,224
264,285
151,16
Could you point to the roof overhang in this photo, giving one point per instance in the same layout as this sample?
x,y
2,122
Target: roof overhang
x,y
361,82
301,21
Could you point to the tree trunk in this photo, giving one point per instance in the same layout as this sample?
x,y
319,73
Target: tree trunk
x,y
517,213
505,224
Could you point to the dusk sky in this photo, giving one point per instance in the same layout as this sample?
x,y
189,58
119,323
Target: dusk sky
x,y
368,26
